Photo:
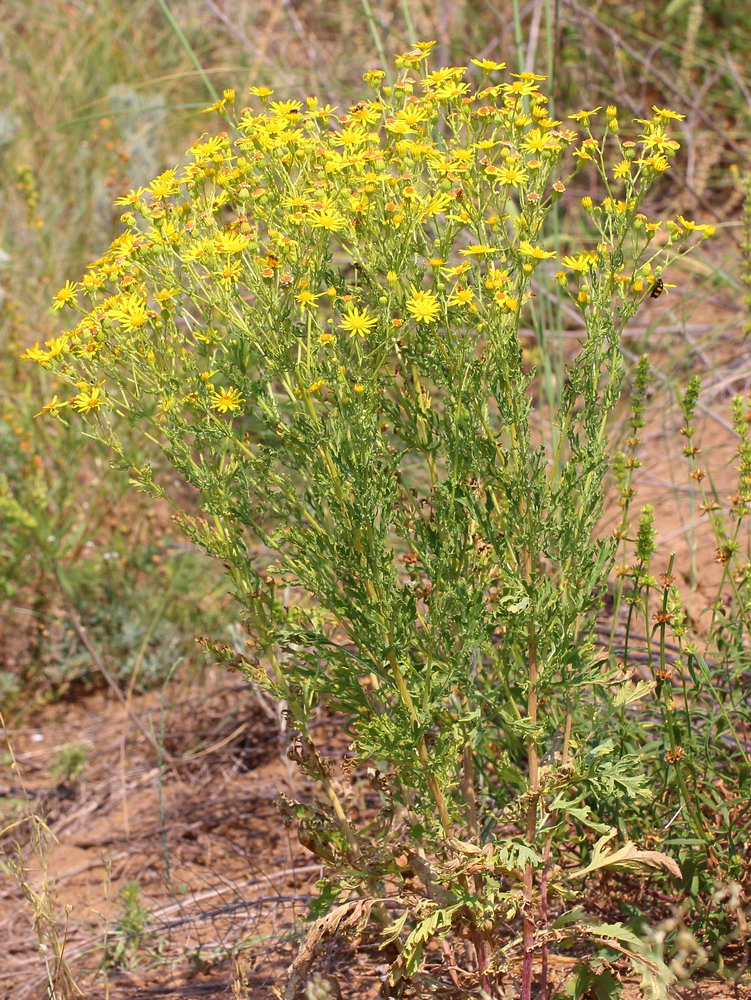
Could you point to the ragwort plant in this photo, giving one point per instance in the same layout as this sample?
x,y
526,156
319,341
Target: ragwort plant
x,y
319,318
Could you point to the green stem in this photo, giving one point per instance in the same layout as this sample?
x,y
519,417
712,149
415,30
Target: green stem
x,y
189,49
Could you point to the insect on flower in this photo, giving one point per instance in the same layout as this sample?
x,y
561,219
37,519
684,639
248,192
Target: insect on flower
x,y
657,289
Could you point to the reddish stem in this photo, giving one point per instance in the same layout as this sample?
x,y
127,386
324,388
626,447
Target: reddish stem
x,y
544,918
528,939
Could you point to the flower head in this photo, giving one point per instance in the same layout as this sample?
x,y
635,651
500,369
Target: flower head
x,y
224,400
131,312
477,250
488,65
358,322
52,409
537,253
88,399
424,306
65,296
308,299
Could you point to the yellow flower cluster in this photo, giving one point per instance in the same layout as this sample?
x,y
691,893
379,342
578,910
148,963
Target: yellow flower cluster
x,y
432,178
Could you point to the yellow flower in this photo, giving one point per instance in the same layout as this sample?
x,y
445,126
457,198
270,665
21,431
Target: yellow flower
x,y
165,184
131,312
450,90
132,197
536,141
286,109
442,75
658,163
694,227
328,219
262,92
667,114
515,176
584,116
496,279
36,353
622,169
165,294
477,250
520,88
412,115
209,148
352,136
358,322
581,262
656,141
229,242
488,65
91,281
424,306
307,299
65,296
56,346
229,399
90,397
461,296
216,106
368,113
537,253
437,204
51,409
229,273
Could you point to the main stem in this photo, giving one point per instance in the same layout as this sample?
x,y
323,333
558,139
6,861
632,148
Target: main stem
x,y
533,796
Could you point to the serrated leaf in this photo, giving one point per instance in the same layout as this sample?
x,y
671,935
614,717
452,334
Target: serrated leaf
x,y
520,604
656,977
585,981
627,694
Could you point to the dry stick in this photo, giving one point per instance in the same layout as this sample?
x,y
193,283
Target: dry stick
x,y
534,35
80,631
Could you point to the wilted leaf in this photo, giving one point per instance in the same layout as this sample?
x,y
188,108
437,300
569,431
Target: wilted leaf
x,y
628,858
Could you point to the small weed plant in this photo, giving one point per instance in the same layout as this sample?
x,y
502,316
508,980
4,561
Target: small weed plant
x,y
123,948
321,318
